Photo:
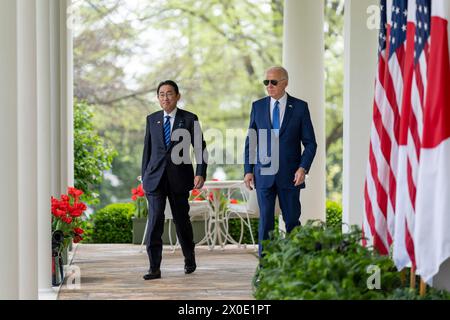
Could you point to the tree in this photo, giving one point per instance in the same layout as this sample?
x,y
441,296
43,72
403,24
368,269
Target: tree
x,y
334,77
216,50
91,155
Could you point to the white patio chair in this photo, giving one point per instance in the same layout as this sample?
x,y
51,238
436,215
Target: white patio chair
x,y
248,209
244,211
199,210
167,219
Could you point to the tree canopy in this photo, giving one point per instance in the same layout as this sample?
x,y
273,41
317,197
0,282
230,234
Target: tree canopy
x,y
217,52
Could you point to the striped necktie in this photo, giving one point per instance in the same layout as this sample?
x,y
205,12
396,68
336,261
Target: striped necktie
x,y
167,131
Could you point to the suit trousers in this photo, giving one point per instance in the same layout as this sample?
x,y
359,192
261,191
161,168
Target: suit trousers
x,y
290,207
179,204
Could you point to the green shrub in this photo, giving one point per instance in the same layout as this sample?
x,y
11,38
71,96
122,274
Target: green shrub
x,y
234,228
113,224
88,228
333,213
92,156
410,294
317,261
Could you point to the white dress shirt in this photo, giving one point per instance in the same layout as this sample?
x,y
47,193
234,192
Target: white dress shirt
x,y
282,106
172,117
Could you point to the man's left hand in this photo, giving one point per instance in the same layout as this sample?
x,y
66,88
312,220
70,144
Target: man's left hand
x,y
299,177
198,182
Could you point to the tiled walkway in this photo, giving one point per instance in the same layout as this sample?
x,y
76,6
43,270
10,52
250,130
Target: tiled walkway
x,y
114,271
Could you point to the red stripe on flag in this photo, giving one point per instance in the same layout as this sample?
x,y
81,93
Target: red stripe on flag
x,y
369,211
414,129
381,193
392,187
426,50
410,245
401,58
392,98
411,185
364,239
419,83
385,140
377,242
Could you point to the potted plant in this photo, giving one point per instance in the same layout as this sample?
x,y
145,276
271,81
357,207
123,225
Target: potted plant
x,y
140,214
67,213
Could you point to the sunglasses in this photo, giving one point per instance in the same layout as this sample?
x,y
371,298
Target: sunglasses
x,y
273,82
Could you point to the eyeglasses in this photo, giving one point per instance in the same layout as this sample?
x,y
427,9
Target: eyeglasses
x,y
273,82
169,95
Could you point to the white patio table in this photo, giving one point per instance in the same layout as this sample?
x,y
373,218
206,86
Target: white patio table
x,y
219,195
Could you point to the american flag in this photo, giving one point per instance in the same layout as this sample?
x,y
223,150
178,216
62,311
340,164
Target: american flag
x,y
408,176
374,226
380,186
419,88
415,84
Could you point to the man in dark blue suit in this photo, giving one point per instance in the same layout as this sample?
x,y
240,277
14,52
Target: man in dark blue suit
x,y
167,173
274,162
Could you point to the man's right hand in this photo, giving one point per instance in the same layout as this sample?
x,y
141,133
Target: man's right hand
x,y
249,181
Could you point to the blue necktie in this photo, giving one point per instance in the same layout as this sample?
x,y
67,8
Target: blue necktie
x,y
167,131
276,116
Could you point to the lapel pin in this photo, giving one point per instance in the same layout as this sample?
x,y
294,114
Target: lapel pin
x,y
290,106
159,122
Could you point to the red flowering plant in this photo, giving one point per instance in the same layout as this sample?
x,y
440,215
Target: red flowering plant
x,y
138,196
67,214
222,199
196,195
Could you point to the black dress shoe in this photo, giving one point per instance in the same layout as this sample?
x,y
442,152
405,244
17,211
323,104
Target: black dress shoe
x,y
189,264
189,268
153,275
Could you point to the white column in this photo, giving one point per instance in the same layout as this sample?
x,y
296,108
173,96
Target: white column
x,y
55,100
303,54
35,84
66,73
9,185
61,100
360,59
18,232
55,132
27,149
441,280
43,142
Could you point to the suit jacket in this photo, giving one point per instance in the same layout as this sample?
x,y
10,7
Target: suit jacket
x,y
157,158
295,130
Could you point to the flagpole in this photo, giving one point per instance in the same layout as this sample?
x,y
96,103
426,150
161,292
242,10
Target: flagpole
x,y
423,287
412,280
403,277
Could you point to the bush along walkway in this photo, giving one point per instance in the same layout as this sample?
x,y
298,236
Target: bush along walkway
x,y
317,261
